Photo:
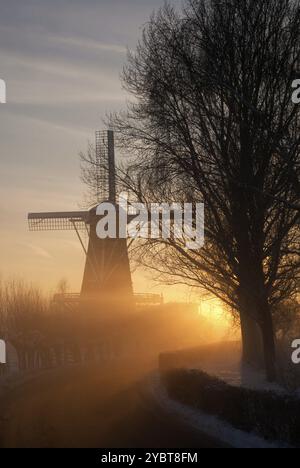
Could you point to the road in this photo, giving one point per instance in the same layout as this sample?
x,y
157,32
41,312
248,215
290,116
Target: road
x,y
95,407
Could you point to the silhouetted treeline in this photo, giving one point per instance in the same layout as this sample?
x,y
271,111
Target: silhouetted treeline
x,y
48,334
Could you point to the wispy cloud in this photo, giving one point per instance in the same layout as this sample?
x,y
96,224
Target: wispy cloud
x,y
36,250
68,67
87,43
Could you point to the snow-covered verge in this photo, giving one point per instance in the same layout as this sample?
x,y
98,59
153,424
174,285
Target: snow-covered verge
x,y
204,423
240,375
224,361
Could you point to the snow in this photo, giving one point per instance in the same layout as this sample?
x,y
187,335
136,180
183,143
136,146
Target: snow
x,y
241,376
230,369
204,423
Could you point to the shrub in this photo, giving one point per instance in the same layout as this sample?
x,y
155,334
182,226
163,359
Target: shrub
x,y
268,414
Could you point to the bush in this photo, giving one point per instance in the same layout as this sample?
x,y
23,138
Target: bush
x,y
268,414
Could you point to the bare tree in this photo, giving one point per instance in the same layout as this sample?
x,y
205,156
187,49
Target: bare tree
x,y
23,311
212,119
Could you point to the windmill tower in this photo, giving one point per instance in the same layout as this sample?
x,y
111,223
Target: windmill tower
x,y
107,277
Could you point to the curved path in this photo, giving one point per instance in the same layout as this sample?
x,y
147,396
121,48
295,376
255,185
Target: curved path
x,y
100,407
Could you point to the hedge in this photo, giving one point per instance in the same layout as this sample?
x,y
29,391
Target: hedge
x,y
273,416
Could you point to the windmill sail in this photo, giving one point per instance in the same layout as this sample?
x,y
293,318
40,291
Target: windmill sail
x,y
58,221
105,162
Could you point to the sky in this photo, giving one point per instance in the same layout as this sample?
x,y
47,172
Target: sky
x,y
61,61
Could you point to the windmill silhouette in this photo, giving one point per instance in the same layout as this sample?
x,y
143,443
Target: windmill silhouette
x,y
107,277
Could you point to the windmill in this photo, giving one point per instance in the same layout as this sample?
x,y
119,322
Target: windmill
x,y
107,276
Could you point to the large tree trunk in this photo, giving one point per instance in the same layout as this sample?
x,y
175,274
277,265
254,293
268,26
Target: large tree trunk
x,y
259,348
252,344
269,344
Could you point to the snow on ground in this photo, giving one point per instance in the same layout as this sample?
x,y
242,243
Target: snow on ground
x,y
230,369
240,375
204,423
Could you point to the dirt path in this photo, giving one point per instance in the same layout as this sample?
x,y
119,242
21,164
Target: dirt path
x,y
90,407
